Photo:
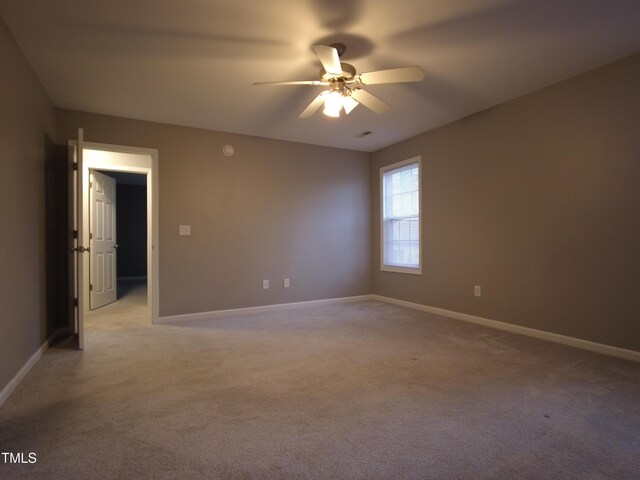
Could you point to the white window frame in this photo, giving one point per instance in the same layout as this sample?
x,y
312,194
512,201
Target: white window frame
x,y
383,170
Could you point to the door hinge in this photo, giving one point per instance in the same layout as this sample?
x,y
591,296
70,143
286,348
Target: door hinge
x,y
75,302
90,236
75,166
90,288
75,234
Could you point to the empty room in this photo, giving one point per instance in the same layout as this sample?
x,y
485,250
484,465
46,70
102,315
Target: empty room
x,y
320,239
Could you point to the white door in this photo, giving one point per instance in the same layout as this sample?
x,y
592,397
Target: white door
x,y
77,249
102,218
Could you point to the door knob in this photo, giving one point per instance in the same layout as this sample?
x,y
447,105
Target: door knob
x,y
116,245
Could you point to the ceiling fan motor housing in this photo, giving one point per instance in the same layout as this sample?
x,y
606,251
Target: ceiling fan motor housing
x,y
348,73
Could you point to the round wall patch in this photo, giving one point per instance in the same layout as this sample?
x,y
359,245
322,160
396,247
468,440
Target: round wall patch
x,y
228,150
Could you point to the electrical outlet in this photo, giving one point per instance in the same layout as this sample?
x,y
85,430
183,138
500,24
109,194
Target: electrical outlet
x,y
477,291
287,283
265,284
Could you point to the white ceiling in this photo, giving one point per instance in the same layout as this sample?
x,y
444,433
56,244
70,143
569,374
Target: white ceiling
x,y
192,62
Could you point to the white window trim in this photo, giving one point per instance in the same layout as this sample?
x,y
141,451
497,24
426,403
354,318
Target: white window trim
x,y
383,170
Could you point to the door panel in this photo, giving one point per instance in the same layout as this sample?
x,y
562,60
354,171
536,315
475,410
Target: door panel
x,y
102,217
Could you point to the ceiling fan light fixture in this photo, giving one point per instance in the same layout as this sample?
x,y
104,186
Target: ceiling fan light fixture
x,y
333,104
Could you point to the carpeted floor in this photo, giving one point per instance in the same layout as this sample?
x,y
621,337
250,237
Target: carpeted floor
x,y
361,390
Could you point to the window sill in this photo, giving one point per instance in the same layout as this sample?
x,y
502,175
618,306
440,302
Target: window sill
x,y
410,271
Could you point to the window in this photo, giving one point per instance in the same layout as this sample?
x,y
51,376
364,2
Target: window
x,y
400,193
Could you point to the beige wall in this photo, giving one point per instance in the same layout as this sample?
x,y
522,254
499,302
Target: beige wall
x,y
538,201
275,209
26,136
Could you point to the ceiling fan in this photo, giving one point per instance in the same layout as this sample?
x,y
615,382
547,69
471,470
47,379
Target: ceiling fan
x,y
345,85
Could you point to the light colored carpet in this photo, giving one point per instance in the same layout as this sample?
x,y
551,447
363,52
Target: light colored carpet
x,y
363,390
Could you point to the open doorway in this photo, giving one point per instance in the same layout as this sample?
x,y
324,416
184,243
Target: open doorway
x,y
129,167
84,158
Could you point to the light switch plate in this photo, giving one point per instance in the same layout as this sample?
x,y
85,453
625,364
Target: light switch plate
x,y
184,230
265,284
287,283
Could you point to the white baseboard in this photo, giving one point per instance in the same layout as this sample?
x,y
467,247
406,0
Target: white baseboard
x,y
169,319
509,327
26,368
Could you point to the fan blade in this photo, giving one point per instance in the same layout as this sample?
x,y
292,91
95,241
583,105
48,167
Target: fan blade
x,y
349,104
329,58
313,106
298,82
370,101
393,75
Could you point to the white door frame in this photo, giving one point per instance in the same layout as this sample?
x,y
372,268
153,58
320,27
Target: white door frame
x,y
119,158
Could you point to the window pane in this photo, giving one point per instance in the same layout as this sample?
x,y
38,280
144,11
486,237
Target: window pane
x,y
406,204
395,181
404,230
396,209
415,230
406,180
